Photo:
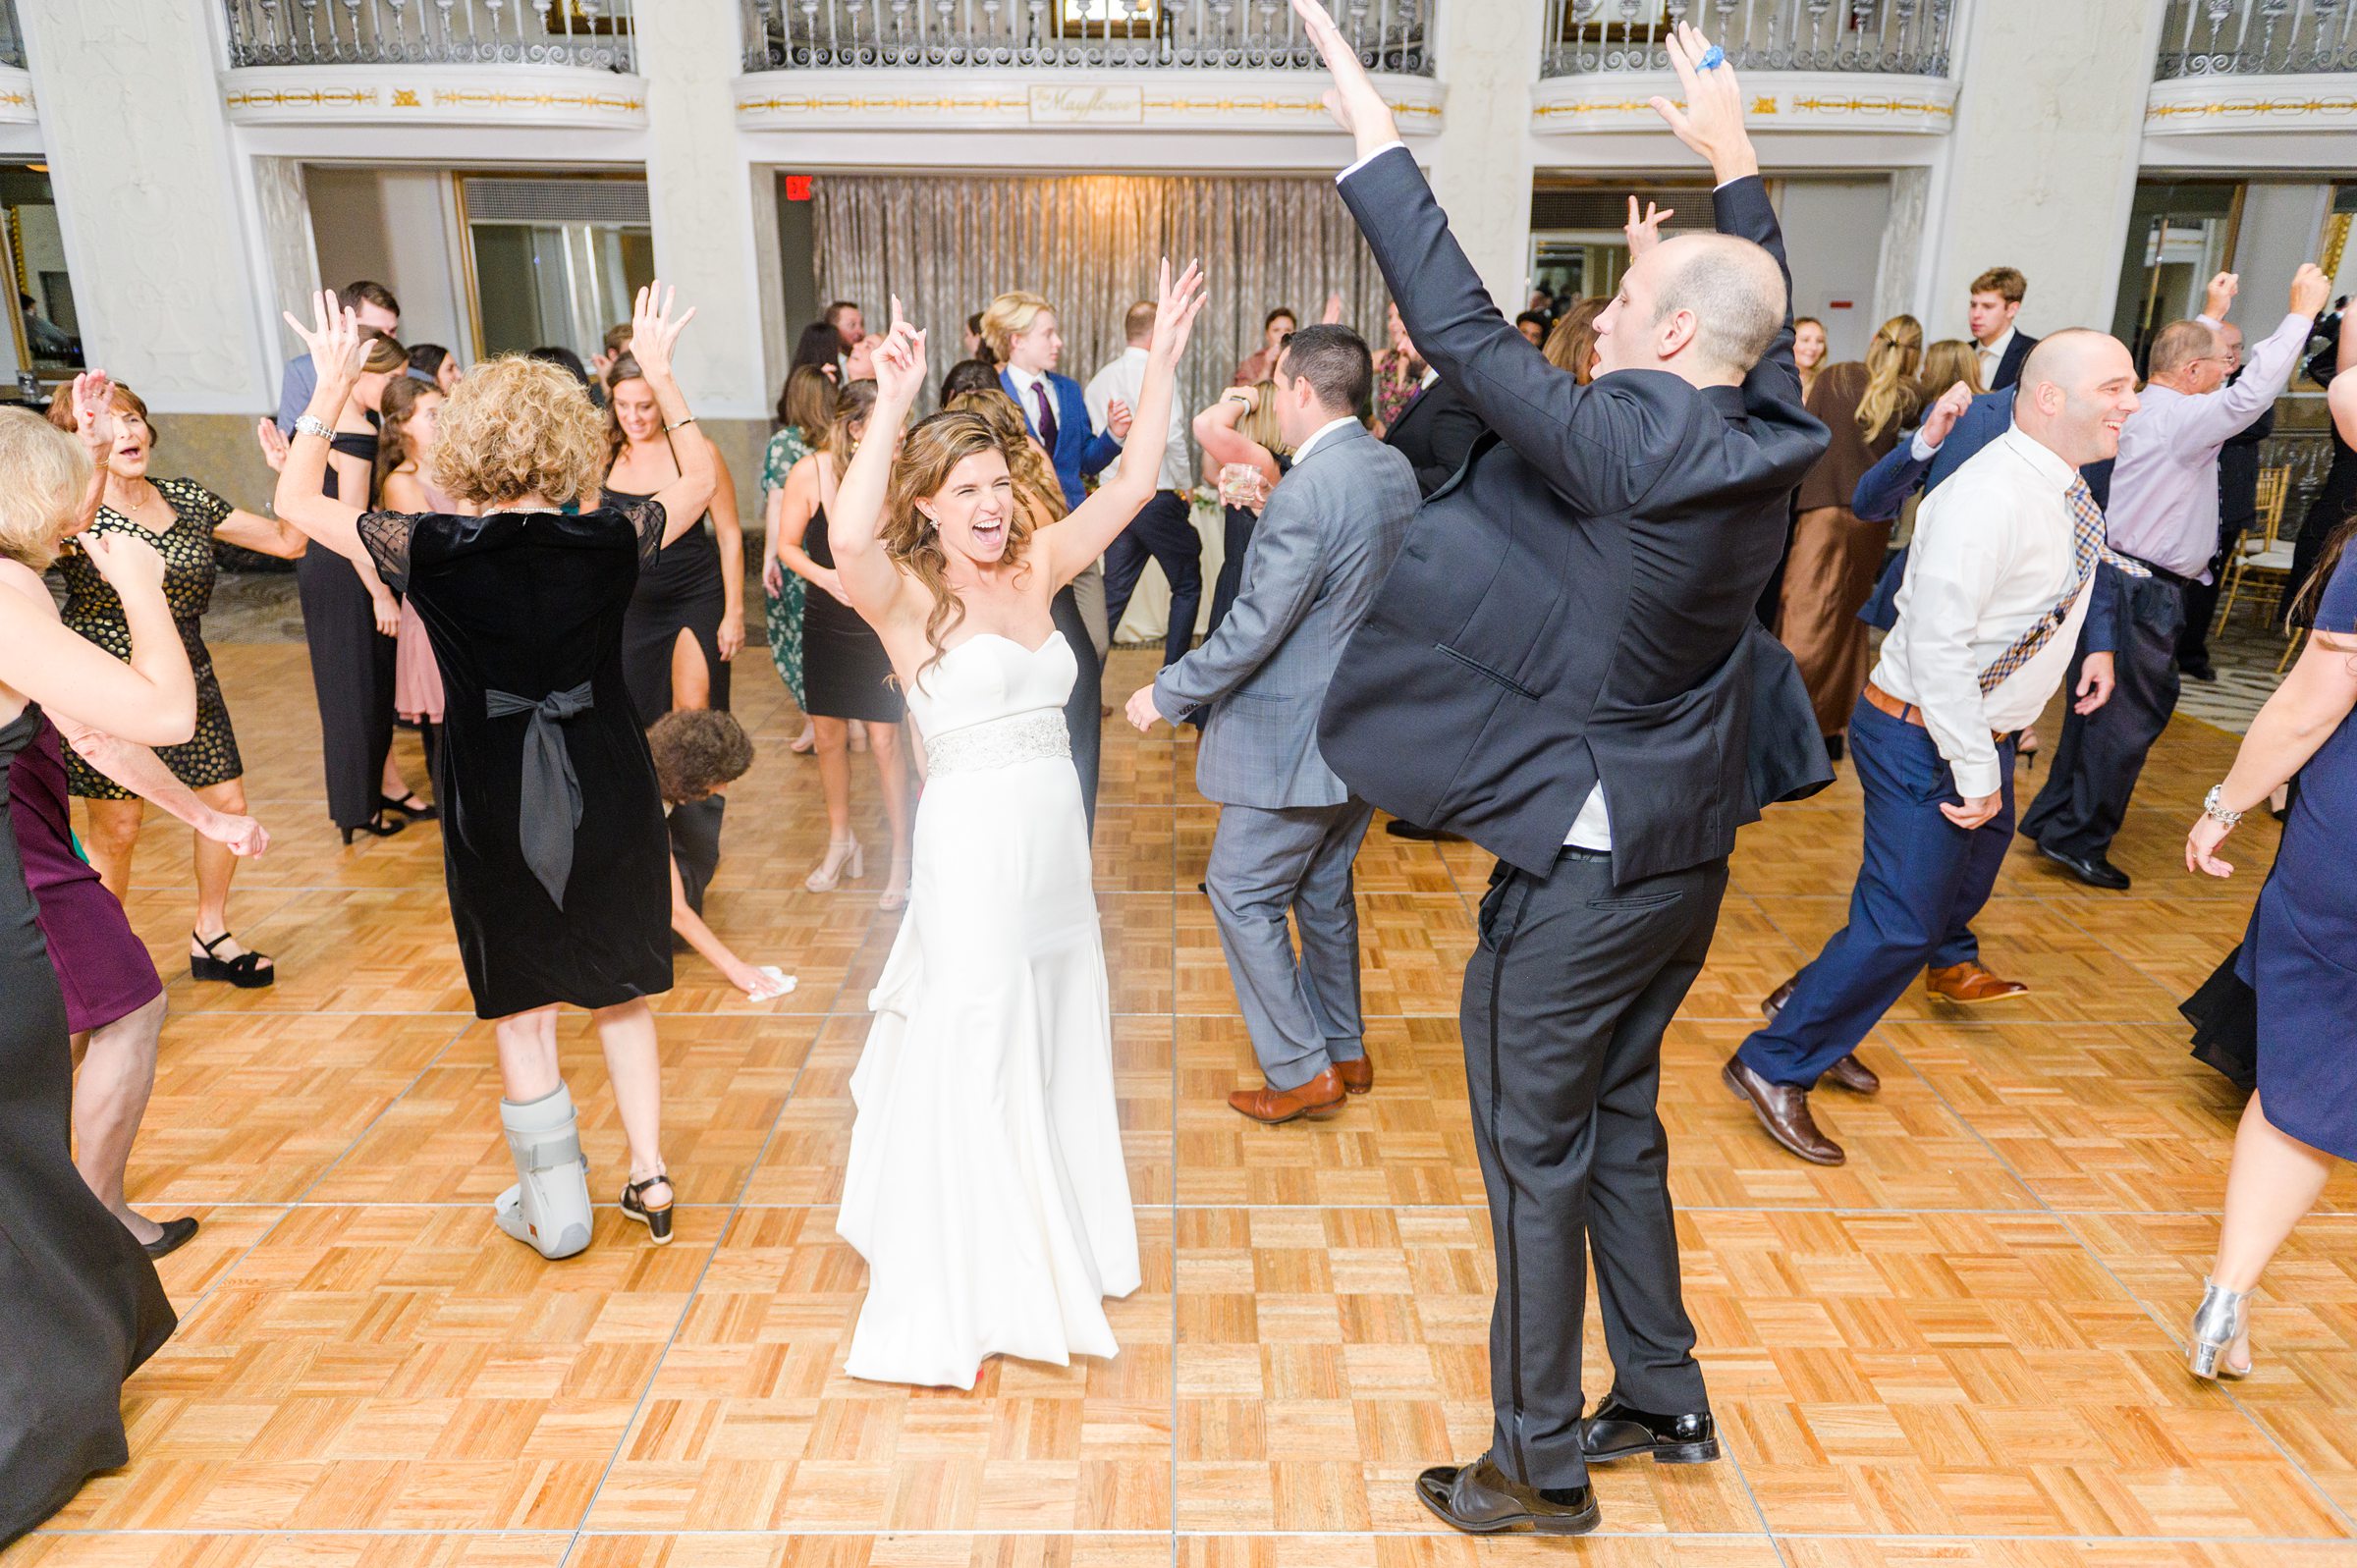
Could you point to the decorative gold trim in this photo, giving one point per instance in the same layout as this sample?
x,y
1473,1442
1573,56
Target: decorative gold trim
x,y
17,100
1875,105
837,104
479,98
2287,107
2336,238
1620,106
303,97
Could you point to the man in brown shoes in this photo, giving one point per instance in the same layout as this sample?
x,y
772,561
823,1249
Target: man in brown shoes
x,y
1998,583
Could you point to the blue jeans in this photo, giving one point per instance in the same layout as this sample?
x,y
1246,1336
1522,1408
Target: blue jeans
x,y
1922,881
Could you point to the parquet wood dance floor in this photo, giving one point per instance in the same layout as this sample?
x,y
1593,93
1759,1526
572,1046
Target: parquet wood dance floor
x,y
1963,1348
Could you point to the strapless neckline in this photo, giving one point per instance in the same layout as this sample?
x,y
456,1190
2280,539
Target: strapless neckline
x,y
1000,636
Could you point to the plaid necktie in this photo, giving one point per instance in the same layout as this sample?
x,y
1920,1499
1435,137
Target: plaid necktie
x,y
2087,548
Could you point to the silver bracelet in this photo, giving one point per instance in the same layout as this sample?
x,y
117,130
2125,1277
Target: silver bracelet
x,y
311,425
2214,806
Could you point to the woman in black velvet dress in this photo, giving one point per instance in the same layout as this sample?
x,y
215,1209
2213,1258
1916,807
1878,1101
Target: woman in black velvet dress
x,y
555,852
80,1304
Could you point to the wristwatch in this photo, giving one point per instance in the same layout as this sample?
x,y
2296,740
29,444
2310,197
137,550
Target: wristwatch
x,y
2214,805
313,425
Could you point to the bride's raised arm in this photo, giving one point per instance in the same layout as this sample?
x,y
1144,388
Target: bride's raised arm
x,y
1097,521
855,522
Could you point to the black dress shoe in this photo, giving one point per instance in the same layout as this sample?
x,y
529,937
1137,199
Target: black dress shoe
x,y
1620,1431
2200,669
2093,870
1480,1500
1408,830
177,1234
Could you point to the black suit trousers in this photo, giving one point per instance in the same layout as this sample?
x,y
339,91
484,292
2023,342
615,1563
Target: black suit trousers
x,y
1566,999
1163,530
2100,756
1082,710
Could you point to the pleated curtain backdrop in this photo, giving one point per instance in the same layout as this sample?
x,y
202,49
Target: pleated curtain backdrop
x,y
1089,244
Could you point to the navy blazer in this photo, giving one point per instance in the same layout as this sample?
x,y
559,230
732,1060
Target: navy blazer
x,y
1436,428
1080,450
1572,606
2008,363
1885,488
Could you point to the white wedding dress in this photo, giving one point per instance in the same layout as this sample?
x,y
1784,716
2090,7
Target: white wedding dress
x,y
986,1188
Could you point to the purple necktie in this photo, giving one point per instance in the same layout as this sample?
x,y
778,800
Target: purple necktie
x,y
1046,414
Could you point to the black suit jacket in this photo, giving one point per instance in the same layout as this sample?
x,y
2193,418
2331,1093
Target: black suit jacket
x,y
1436,431
1573,605
2008,363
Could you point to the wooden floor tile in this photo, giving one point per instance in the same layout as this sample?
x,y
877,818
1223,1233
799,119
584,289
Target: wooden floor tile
x,y
1961,1348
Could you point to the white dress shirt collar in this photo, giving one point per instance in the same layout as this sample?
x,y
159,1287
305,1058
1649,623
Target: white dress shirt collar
x,y
1301,453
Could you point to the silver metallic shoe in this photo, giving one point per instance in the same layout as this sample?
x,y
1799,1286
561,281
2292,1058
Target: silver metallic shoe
x,y
2220,1320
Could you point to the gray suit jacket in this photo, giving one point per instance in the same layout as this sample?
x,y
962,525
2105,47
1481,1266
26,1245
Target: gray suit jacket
x,y
1321,550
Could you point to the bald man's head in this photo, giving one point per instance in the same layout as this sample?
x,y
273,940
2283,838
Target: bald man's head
x,y
1704,307
2077,389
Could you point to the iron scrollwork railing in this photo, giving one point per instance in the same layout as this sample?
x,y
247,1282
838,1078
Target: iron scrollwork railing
x,y
2255,37
1903,37
592,34
1200,34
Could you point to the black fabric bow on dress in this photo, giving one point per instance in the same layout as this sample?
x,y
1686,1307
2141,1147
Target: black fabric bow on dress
x,y
551,806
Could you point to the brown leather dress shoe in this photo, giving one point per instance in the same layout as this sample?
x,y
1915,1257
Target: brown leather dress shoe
x,y
1849,1072
1854,1075
1784,1111
1967,983
1480,1500
1357,1076
1318,1099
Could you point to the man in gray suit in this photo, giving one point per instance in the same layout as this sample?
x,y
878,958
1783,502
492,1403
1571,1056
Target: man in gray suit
x,y
1289,828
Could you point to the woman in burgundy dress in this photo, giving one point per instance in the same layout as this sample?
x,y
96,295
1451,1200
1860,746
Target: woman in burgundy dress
x,y
114,1000
83,1306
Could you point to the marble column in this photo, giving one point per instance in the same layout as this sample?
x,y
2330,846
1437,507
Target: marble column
x,y
2041,164
1481,161
701,198
164,272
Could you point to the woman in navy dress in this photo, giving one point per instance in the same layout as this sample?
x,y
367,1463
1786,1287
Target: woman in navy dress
x,y
2300,952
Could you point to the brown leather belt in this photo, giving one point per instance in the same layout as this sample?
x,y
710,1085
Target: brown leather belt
x,y
1907,712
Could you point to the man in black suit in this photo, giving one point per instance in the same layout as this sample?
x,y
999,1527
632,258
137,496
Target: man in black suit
x,y
1435,429
1561,668
1995,301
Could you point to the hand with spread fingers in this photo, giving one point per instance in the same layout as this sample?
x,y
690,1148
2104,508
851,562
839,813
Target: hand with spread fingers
x,y
1353,101
1645,233
1712,121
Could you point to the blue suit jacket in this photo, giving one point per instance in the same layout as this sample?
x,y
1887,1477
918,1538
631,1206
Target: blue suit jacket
x,y
1080,450
1887,485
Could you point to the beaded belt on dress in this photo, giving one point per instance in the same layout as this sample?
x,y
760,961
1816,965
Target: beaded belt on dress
x,y
1000,742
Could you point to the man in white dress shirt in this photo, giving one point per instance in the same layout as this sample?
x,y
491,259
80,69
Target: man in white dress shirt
x,y
1166,528
2163,512
1997,586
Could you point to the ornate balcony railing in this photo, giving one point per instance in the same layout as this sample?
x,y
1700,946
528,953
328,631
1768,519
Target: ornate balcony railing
x,y
2255,37
1904,37
591,33
1141,35
12,39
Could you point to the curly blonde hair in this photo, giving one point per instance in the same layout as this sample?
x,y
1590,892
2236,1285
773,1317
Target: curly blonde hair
x,y
935,446
44,473
516,427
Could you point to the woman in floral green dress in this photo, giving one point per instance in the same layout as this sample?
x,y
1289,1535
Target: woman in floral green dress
x,y
802,421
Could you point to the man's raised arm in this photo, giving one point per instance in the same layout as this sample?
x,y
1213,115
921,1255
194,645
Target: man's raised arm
x,y
1543,413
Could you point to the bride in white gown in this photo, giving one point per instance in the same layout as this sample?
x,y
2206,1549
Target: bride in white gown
x,y
986,1188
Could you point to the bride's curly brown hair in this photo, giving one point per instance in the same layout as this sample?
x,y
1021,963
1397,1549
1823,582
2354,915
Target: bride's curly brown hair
x,y
933,448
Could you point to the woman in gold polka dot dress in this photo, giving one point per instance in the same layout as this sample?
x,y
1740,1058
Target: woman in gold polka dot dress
x,y
179,518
